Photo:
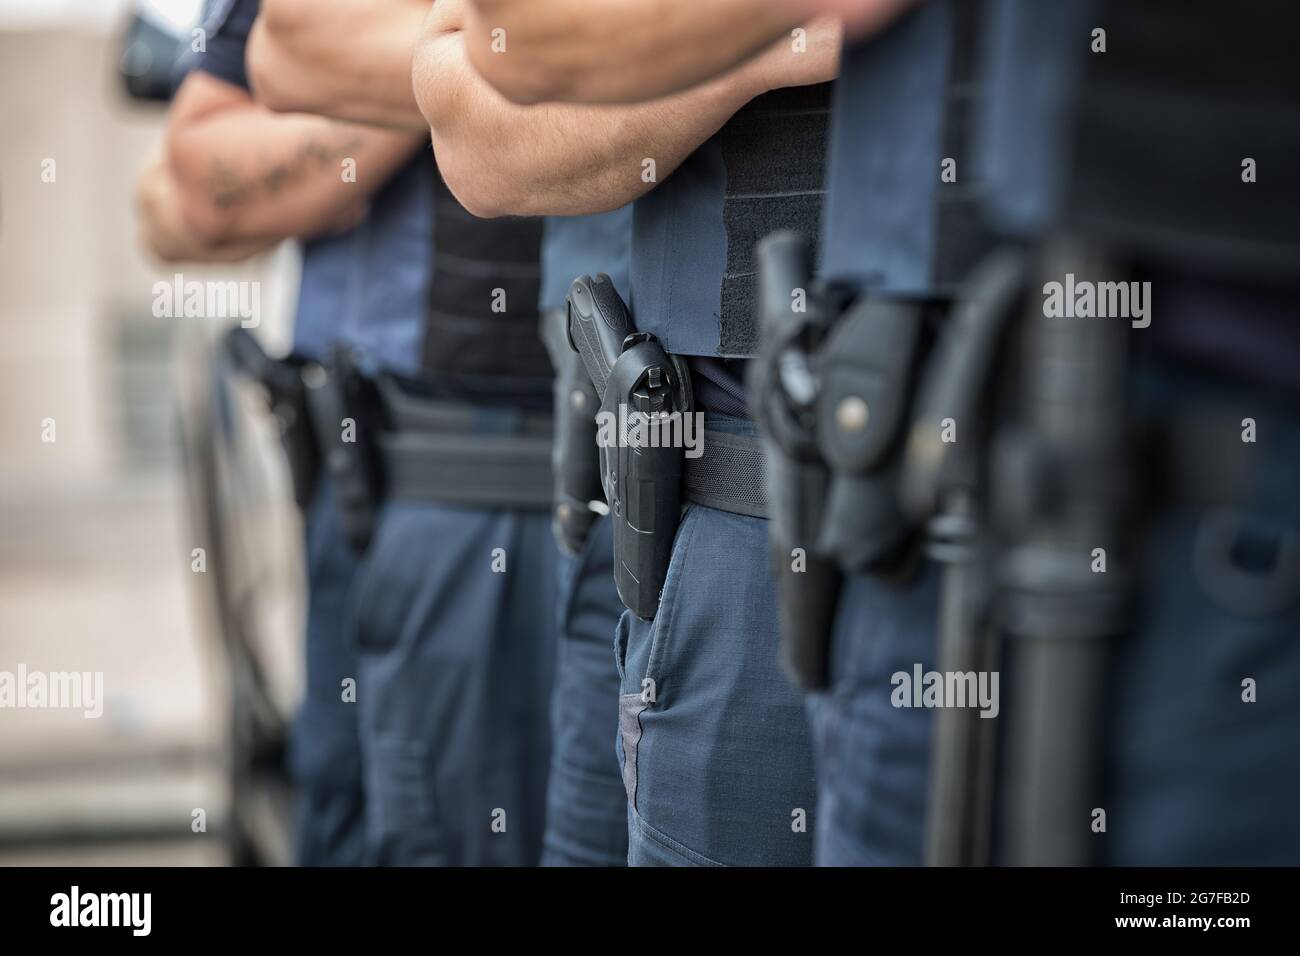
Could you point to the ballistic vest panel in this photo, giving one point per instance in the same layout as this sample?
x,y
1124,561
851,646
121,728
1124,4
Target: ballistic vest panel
x,y
1141,146
693,271
480,337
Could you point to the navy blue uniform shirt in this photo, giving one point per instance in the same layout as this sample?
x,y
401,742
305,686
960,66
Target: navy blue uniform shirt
x,y
367,287
584,245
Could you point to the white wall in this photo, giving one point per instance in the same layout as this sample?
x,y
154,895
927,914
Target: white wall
x,y
94,549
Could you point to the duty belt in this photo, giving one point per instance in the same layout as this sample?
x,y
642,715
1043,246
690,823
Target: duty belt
x,y
434,450
728,475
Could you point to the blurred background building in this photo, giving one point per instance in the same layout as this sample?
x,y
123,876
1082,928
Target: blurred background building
x,y
96,538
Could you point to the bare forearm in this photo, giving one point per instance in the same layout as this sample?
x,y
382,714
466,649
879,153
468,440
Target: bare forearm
x,y
501,158
616,51
263,177
244,172
861,17
163,229
170,239
348,59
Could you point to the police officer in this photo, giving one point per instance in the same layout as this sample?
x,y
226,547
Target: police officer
x,y
900,234
361,282
586,809
1207,558
1160,776
713,741
454,608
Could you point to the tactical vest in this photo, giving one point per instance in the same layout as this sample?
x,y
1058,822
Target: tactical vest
x,y
902,216
584,245
481,335
693,238
1145,146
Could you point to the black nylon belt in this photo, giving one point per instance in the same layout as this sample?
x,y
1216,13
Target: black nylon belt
x,y
728,475
1192,470
493,471
437,451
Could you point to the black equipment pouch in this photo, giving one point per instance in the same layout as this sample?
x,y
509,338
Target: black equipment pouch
x,y
784,397
644,393
867,370
574,457
286,395
345,412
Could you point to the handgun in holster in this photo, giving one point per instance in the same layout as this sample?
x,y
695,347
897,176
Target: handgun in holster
x,y
642,478
287,399
574,457
784,388
831,389
347,413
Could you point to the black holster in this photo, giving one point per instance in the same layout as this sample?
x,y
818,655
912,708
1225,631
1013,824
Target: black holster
x,y
575,459
831,391
643,479
286,394
783,388
645,388
346,413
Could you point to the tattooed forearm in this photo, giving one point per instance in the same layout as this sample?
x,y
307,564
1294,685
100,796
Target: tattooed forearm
x,y
230,187
227,186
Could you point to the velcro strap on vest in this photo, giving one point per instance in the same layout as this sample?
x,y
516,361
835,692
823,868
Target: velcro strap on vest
x,y
728,475
774,154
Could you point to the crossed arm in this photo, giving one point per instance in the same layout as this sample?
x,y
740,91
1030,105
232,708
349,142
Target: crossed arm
x,y
163,229
860,17
349,59
610,51
501,158
244,173
613,51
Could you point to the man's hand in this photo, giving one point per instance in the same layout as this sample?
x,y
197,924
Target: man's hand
x,y
163,230
347,59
